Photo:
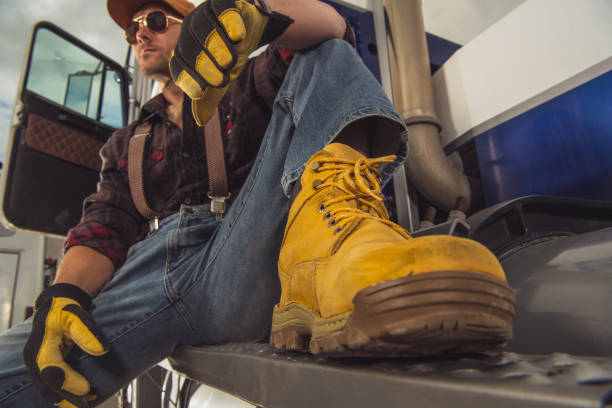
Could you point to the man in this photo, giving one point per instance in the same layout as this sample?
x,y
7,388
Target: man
x,y
351,281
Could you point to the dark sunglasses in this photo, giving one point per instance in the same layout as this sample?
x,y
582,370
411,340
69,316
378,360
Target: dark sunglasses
x,y
156,21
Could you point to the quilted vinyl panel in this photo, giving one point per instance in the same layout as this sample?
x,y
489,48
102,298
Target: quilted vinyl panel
x,y
63,143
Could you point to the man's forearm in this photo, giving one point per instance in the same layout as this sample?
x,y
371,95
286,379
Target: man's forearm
x,y
314,22
86,268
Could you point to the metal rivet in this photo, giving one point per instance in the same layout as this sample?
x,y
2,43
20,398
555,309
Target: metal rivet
x,y
315,165
316,184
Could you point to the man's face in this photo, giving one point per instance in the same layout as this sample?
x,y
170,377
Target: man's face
x,y
152,49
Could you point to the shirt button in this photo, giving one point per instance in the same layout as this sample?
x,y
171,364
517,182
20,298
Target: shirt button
x,y
188,201
168,123
186,155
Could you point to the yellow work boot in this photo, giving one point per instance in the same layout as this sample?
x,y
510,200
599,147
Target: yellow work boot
x,y
354,283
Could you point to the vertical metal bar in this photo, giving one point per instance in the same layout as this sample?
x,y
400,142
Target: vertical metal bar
x,y
407,213
380,31
140,92
101,98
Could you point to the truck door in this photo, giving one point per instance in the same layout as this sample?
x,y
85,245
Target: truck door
x,y
70,101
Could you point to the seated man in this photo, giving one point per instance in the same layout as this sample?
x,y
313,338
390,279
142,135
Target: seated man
x,y
309,138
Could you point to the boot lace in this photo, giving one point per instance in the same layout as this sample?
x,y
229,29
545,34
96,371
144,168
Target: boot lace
x,y
360,182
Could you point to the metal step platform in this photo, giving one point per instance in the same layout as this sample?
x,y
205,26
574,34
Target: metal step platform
x,y
257,373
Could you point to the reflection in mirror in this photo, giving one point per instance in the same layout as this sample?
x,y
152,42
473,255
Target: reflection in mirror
x,y
112,103
70,76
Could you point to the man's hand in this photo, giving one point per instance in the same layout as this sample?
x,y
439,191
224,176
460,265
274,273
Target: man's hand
x,y
215,41
61,320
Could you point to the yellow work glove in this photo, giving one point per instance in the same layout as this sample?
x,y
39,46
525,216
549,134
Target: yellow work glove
x,y
61,320
216,40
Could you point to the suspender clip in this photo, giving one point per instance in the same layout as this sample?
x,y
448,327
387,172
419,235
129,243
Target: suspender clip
x,y
218,205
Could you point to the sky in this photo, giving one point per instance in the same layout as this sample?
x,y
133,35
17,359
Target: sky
x,y
85,19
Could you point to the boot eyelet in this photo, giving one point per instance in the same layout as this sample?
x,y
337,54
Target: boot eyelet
x,y
327,216
321,208
315,165
316,184
337,230
331,223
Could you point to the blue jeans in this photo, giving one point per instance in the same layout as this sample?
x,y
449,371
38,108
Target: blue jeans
x,y
200,281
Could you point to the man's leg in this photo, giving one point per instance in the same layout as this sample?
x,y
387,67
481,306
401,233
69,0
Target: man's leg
x,y
327,91
133,311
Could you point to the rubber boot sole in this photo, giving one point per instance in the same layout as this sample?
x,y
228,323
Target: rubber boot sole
x,y
424,314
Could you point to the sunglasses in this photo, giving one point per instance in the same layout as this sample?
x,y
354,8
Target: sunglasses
x,y
156,21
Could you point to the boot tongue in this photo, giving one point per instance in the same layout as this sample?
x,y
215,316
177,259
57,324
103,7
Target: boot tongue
x,y
343,151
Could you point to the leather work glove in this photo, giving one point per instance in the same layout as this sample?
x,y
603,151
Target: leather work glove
x,y
61,320
216,40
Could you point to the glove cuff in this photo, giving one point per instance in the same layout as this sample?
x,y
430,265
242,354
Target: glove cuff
x,y
277,22
65,290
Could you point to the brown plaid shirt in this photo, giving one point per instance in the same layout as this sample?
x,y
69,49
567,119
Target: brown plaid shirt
x,y
175,169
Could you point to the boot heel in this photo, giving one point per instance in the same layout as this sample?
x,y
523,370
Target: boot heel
x,y
291,327
430,313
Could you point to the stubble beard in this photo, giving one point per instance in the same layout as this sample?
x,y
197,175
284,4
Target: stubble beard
x,y
156,67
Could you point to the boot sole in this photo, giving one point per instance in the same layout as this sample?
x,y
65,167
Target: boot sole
x,y
424,314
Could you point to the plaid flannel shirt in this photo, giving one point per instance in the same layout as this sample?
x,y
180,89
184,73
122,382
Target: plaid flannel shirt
x,y
175,169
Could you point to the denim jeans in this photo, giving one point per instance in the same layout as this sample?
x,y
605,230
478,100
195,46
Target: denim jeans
x,y
200,281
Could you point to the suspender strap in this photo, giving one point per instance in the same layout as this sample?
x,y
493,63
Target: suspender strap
x,y
215,159
136,152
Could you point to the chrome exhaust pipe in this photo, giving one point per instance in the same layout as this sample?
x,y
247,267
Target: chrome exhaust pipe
x,y
427,167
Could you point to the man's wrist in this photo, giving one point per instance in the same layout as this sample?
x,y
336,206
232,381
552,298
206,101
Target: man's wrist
x,y
64,290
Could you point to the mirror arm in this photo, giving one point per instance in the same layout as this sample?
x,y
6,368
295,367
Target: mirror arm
x,y
101,98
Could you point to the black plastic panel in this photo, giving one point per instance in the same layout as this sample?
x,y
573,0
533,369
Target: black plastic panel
x,y
508,226
563,290
43,193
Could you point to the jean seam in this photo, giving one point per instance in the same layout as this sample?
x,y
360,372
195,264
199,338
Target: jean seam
x,y
170,258
21,387
130,329
173,296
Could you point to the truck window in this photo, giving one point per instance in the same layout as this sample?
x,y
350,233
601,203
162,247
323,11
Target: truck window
x,y
68,75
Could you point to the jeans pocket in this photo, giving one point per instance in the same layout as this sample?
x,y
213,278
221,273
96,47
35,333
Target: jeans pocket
x,y
187,246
